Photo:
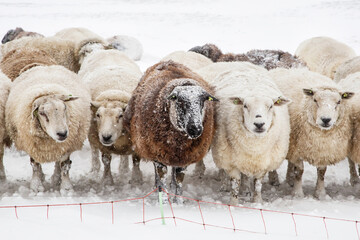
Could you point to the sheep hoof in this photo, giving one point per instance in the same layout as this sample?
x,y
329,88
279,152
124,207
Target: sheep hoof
x,y
36,185
2,178
66,185
108,181
320,195
354,181
178,200
136,178
298,194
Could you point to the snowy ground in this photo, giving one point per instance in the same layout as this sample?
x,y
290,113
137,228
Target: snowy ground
x,y
162,27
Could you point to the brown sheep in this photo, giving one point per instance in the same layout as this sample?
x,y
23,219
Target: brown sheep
x,y
18,33
18,61
268,59
170,118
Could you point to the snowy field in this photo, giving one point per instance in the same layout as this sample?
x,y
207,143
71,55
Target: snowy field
x,y
163,27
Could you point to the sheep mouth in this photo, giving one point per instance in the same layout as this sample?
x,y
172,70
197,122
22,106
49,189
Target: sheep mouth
x,y
325,126
257,130
107,143
61,139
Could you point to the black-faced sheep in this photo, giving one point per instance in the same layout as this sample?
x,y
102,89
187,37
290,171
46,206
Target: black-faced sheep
x,y
321,126
171,120
111,77
268,59
48,116
18,33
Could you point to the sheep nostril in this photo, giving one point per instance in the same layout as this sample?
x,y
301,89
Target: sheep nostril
x,y
326,120
194,131
259,125
62,135
106,138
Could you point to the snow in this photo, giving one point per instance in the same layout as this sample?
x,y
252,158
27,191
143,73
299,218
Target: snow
x,y
163,27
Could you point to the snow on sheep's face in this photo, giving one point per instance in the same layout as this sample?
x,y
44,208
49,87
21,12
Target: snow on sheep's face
x,y
258,112
51,114
324,107
187,109
109,120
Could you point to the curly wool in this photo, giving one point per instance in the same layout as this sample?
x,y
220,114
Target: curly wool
x,y
24,129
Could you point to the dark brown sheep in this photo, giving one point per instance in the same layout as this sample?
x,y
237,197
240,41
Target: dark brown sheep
x,y
19,60
170,118
268,59
18,33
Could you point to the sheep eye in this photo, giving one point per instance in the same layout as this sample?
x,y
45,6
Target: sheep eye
x,y
315,100
173,97
245,106
42,114
98,115
120,116
271,107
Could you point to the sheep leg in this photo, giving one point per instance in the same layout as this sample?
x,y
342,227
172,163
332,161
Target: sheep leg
x,y
136,174
177,178
290,174
56,177
107,177
257,198
320,192
36,183
246,185
225,181
235,190
160,176
65,179
274,178
298,172
2,169
200,169
124,164
95,162
354,178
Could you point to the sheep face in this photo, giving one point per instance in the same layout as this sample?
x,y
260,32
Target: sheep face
x,y
257,113
208,50
109,121
11,35
187,109
325,107
87,49
50,112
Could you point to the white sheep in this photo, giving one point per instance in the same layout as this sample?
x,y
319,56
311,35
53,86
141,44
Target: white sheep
x,y
192,60
48,116
347,68
320,123
77,34
128,45
252,127
5,84
111,77
324,55
352,83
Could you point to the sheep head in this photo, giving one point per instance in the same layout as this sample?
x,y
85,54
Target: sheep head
x,y
187,109
109,120
50,112
325,106
257,112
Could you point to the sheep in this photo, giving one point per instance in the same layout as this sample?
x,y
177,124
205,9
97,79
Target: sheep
x,y
18,33
128,45
324,55
77,34
47,115
5,85
191,60
352,83
111,77
252,127
320,123
347,68
268,59
67,53
170,117
19,60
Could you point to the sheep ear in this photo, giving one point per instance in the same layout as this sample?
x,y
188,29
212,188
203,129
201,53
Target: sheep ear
x,y
237,100
66,98
347,95
308,92
211,98
94,105
280,101
34,111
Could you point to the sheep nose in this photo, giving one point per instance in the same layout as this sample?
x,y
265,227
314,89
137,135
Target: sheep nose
x,y
259,125
106,138
62,135
326,120
194,131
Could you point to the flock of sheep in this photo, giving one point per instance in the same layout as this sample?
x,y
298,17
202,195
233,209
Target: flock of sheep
x,y
252,110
